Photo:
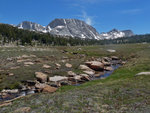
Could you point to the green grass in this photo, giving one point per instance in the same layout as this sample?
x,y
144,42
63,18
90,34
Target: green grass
x,y
120,92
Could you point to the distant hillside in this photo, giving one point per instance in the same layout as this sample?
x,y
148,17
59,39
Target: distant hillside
x,y
10,34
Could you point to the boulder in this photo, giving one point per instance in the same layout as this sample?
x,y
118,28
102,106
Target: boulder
x,y
41,76
57,78
114,58
10,91
106,63
34,56
23,60
28,63
123,62
46,66
29,92
4,95
109,68
49,89
40,85
63,83
68,65
106,59
85,77
10,74
71,74
9,59
63,61
38,60
143,73
58,65
75,78
98,74
89,72
111,50
95,65
84,67
25,56
78,77
55,84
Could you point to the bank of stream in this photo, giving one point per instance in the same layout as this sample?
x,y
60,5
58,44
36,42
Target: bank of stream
x,y
20,93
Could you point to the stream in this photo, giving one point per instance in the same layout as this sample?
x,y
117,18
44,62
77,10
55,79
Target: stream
x,y
10,96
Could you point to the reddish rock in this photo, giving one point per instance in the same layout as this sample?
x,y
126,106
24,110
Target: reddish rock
x,y
95,65
49,89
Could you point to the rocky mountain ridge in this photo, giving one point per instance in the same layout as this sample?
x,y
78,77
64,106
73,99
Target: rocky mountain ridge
x,y
73,28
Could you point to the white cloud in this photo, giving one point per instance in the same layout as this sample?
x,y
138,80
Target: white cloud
x,y
87,19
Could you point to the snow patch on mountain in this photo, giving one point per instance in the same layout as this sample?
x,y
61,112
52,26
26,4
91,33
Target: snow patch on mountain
x,y
73,28
114,34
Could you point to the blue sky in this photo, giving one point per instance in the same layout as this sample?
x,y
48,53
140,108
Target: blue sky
x,y
104,15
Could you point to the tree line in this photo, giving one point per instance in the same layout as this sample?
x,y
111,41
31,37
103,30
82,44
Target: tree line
x,y
10,34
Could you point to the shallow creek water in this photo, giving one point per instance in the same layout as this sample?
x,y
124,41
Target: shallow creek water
x,y
28,92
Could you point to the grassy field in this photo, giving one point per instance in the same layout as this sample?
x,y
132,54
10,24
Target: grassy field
x,y
121,92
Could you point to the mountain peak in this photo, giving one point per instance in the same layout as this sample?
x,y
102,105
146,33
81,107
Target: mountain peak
x,y
115,30
32,26
73,28
114,33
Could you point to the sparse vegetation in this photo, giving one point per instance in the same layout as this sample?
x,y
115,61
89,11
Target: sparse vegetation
x,y
120,92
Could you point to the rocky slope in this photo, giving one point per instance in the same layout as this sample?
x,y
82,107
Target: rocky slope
x,y
113,34
74,28
31,26
64,27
